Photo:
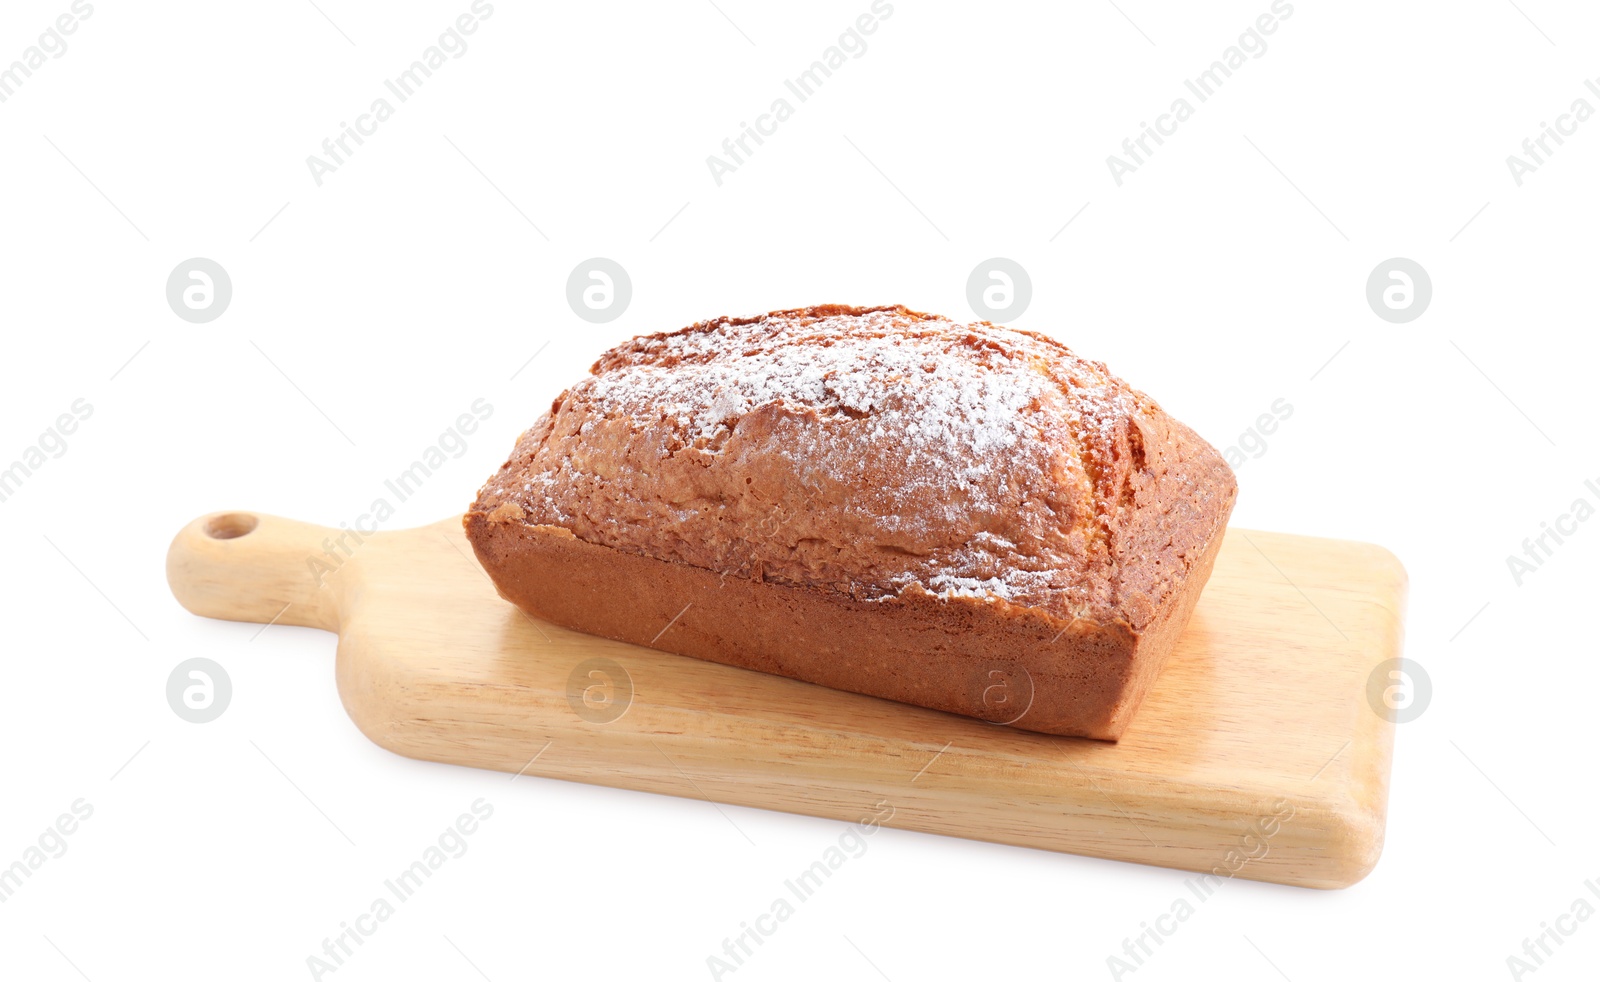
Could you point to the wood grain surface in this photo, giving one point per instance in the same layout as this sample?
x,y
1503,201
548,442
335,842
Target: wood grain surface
x,y
1258,752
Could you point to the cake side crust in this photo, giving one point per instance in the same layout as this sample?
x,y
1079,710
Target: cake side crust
x,y
986,659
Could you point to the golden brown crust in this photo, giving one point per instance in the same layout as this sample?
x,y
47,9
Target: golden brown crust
x,y
947,494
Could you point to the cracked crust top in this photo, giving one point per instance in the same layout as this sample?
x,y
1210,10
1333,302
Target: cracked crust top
x,y
873,451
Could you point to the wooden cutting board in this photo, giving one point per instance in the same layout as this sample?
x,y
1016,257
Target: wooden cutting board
x,y
1258,753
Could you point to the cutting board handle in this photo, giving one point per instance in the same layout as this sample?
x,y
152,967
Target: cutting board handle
x,y
246,566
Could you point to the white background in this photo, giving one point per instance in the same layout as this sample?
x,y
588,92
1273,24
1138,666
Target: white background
x,y
1221,276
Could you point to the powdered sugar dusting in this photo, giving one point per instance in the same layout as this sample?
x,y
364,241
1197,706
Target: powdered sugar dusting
x,y
917,384
867,451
